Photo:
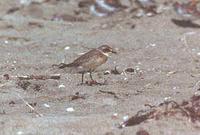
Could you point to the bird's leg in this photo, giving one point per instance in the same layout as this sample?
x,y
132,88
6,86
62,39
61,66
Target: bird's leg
x,y
82,79
91,76
93,81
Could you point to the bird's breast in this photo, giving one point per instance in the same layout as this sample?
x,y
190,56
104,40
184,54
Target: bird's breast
x,y
94,62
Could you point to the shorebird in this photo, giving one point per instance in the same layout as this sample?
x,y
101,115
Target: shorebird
x,y
147,5
88,62
187,11
105,7
187,14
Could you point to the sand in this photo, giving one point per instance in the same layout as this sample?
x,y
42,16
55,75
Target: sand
x,y
164,56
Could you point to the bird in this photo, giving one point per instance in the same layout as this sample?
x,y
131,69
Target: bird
x,y
187,14
105,7
147,5
88,62
187,11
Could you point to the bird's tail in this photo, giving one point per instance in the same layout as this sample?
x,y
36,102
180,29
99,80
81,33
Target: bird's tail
x,y
65,68
62,65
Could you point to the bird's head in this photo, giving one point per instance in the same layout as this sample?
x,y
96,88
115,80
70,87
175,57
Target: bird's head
x,y
106,50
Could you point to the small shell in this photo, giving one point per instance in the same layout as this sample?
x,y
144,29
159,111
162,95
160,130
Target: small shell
x,y
70,109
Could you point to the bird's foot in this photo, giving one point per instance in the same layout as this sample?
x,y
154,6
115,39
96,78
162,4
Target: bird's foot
x,y
93,82
79,84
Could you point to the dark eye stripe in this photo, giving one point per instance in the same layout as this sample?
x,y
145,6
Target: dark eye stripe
x,y
106,50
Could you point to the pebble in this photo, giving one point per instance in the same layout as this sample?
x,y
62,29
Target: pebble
x,y
61,86
6,41
67,48
167,98
70,109
20,133
115,114
125,118
46,105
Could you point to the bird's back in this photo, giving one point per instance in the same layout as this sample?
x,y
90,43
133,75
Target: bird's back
x,y
88,61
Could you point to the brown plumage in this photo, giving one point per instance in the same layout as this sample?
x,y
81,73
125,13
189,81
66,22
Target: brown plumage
x,y
89,61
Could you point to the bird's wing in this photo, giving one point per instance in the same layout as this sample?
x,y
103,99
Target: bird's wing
x,y
85,58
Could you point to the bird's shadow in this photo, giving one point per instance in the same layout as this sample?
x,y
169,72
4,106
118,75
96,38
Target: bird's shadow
x,y
185,23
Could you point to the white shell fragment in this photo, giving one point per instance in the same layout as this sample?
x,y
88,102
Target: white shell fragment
x,y
197,93
61,86
25,2
46,105
137,68
67,48
152,44
115,114
6,41
70,109
166,99
140,13
125,78
171,73
81,53
149,14
125,118
20,133
107,72
94,12
190,33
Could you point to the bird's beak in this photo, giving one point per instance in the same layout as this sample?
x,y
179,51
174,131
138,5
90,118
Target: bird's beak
x,y
114,51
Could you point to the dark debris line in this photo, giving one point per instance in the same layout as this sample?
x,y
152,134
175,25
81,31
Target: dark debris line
x,y
189,108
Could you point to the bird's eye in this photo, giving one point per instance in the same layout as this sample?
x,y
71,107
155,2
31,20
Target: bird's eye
x,y
106,50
